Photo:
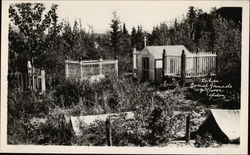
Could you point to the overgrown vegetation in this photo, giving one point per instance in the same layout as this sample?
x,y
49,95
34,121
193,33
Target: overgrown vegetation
x,y
111,95
155,123
39,37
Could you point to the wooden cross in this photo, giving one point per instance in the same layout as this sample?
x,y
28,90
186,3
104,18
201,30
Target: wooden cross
x,y
145,41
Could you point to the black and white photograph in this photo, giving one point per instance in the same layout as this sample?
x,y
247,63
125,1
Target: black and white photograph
x,y
124,76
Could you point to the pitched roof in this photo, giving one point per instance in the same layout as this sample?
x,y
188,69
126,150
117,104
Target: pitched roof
x,y
157,51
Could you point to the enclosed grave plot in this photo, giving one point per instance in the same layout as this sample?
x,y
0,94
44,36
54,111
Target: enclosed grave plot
x,y
93,70
156,63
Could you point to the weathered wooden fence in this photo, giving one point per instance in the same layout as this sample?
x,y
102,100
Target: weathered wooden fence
x,y
93,69
195,65
33,80
135,61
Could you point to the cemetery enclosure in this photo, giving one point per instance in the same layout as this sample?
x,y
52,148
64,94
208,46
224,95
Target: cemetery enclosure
x,y
196,65
175,62
92,69
33,80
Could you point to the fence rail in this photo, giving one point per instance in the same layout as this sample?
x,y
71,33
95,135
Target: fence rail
x,y
202,65
196,65
92,69
34,80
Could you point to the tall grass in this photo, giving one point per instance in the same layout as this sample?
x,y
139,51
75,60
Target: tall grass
x,y
111,95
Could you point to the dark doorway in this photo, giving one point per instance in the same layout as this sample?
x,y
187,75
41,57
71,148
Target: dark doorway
x,y
145,68
158,71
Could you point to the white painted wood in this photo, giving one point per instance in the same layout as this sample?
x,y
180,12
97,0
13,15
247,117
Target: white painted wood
x,y
43,82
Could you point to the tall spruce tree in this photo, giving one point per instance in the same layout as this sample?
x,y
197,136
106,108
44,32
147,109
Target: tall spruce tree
x,y
115,34
125,41
139,38
133,37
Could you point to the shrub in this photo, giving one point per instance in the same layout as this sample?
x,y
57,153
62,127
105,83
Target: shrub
x,y
54,132
21,107
204,141
151,125
125,64
111,94
93,135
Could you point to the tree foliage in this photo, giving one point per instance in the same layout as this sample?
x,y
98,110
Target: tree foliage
x,y
115,34
27,35
34,33
38,35
218,31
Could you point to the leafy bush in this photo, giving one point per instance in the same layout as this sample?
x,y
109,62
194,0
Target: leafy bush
x,y
54,132
22,103
125,64
204,141
21,107
127,133
111,94
93,135
151,126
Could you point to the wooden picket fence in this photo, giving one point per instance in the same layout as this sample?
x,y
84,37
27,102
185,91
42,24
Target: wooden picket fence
x,y
195,65
91,69
35,81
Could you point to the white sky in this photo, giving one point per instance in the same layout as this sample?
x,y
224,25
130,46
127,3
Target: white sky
x,y
98,14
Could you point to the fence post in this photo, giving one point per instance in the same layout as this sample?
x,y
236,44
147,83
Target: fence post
x,y
100,64
81,77
163,63
105,102
66,69
187,128
152,104
183,68
116,66
134,61
196,62
32,74
43,87
216,64
108,131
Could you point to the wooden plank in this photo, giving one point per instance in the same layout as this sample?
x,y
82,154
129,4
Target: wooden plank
x,y
187,128
164,61
183,68
108,132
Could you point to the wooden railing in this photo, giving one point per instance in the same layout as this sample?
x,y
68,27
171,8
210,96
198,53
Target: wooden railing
x,y
173,65
135,61
194,65
90,69
34,81
201,65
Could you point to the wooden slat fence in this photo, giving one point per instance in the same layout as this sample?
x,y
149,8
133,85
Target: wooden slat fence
x,y
201,65
34,81
173,65
196,65
90,69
